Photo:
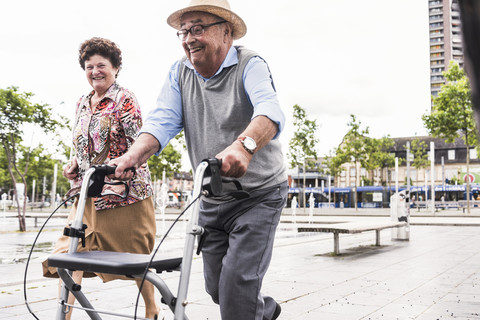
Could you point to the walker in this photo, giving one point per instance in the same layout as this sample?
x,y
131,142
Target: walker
x,y
207,182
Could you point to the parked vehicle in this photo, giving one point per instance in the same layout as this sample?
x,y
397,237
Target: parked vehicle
x,y
379,197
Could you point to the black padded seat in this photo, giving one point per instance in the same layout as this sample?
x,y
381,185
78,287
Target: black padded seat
x,y
119,263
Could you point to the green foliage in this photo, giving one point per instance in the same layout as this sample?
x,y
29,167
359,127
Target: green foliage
x,y
366,181
355,144
354,147
303,144
452,114
406,181
455,181
420,156
41,164
378,155
334,163
5,182
169,159
16,110
364,151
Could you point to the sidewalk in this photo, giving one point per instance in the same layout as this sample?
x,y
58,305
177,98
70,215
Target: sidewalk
x,y
435,275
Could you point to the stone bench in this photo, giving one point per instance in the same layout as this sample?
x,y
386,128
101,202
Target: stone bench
x,y
350,228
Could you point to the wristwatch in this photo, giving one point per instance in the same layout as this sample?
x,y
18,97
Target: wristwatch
x,y
248,143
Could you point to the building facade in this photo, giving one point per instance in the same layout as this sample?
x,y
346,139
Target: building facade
x,y
445,40
450,166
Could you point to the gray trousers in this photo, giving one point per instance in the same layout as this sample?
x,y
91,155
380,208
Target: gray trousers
x,y
238,250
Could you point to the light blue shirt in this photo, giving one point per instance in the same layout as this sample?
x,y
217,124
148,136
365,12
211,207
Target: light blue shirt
x,y
165,121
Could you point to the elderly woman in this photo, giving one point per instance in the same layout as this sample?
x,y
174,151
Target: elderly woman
x,y
107,121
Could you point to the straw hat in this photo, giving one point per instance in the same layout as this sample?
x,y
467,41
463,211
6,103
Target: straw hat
x,y
219,8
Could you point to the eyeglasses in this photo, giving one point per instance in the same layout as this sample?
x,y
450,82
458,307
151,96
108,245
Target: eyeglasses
x,y
196,31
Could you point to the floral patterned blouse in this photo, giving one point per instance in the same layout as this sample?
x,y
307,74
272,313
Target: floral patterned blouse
x,y
105,134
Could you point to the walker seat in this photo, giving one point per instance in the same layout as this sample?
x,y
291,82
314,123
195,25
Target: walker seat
x,y
119,263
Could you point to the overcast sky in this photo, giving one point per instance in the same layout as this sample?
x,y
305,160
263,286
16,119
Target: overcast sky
x,y
333,58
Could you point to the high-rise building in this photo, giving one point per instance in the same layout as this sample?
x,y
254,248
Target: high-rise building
x,y
445,40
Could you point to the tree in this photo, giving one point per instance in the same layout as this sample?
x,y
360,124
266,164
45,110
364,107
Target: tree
x,y
354,148
169,160
418,149
16,110
378,155
302,146
41,164
334,167
452,114
334,164
5,181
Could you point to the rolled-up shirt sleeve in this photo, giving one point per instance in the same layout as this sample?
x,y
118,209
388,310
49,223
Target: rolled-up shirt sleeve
x,y
260,90
164,122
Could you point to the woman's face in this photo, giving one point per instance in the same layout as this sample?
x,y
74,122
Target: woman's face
x,y
100,73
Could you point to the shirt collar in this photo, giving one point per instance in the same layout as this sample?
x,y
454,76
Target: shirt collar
x,y
230,60
110,94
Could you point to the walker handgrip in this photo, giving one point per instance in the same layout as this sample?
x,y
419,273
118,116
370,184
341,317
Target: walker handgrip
x,y
106,169
97,180
110,169
212,181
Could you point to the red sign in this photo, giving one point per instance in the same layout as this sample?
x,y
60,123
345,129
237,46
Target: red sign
x,y
471,176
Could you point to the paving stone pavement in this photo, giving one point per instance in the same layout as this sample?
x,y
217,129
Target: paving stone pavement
x,y
434,275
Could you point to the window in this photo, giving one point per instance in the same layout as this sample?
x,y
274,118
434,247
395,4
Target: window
x,y
473,153
413,174
363,172
451,154
352,172
393,175
450,173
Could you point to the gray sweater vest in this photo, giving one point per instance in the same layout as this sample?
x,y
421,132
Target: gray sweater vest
x,y
215,112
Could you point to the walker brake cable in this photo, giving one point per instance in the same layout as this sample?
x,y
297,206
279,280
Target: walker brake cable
x,y
31,251
211,185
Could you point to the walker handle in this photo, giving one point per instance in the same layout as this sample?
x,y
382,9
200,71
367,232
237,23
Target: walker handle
x,y
97,180
213,181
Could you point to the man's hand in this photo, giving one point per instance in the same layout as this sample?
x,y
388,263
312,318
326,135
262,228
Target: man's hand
x,y
235,160
137,155
123,164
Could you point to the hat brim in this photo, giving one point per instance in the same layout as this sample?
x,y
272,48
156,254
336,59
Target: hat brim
x,y
239,27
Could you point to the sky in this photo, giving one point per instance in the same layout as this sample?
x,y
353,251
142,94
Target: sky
x,y
333,58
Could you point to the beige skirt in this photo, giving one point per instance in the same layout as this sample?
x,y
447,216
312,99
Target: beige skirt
x,y
130,229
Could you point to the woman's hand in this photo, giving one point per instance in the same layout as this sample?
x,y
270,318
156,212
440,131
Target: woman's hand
x,y
70,171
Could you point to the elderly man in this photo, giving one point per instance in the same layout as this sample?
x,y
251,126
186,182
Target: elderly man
x,y
224,98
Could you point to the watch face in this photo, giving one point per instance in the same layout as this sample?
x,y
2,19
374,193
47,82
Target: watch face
x,y
249,143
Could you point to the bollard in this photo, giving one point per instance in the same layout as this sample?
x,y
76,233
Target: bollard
x,y
400,211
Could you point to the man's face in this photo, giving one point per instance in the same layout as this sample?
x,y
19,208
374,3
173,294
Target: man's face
x,y
207,51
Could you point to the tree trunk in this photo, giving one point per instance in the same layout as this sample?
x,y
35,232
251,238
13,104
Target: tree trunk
x,y
468,175
10,164
21,217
